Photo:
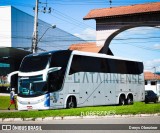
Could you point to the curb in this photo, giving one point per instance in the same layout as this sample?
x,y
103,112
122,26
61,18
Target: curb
x,y
75,117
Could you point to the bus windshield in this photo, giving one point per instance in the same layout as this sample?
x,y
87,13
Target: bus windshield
x,y
31,86
34,63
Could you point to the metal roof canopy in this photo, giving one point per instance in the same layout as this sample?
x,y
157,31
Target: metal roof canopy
x,y
10,53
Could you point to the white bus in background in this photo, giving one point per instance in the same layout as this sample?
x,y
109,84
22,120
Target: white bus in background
x,y
69,79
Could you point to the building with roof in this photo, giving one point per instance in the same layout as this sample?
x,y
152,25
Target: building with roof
x,y
86,47
16,29
152,82
114,20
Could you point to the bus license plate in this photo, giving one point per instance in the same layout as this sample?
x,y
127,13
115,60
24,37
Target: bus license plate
x,y
29,107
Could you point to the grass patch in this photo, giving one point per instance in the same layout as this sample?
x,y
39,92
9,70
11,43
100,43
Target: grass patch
x,y
4,102
136,108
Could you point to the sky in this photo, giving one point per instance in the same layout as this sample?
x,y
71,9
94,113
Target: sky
x,y
68,16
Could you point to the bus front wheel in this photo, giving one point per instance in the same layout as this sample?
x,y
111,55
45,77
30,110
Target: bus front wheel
x,y
71,102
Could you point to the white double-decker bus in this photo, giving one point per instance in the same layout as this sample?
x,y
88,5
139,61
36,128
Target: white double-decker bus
x,y
69,79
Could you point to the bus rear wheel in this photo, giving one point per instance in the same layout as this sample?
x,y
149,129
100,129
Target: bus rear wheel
x,y
130,100
71,102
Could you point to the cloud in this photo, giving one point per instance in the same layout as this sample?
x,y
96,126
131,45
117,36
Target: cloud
x,y
140,30
87,34
137,31
151,64
157,46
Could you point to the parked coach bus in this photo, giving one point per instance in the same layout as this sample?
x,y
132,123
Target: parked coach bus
x,y
69,79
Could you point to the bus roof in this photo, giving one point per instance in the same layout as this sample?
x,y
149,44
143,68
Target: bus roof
x,y
45,53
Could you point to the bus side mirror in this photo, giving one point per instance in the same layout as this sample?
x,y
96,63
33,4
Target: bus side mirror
x,y
10,76
50,70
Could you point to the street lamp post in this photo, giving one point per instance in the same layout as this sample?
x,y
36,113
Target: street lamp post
x,y
36,41
53,26
35,30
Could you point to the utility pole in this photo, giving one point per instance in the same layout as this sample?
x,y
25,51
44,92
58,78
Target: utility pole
x,y
110,1
35,31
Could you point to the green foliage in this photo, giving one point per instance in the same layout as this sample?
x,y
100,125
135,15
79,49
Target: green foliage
x,y
136,108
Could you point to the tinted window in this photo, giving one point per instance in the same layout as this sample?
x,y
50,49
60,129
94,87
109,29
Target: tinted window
x,y
55,79
151,93
94,64
60,58
153,82
34,63
88,64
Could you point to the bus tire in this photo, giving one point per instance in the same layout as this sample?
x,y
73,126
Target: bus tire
x,y
130,100
71,102
122,100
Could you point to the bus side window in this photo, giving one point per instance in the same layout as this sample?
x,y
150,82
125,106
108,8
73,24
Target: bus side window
x,y
52,78
134,67
60,59
55,80
121,66
140,67
112,66
105,65
82,63
88,64
130,67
